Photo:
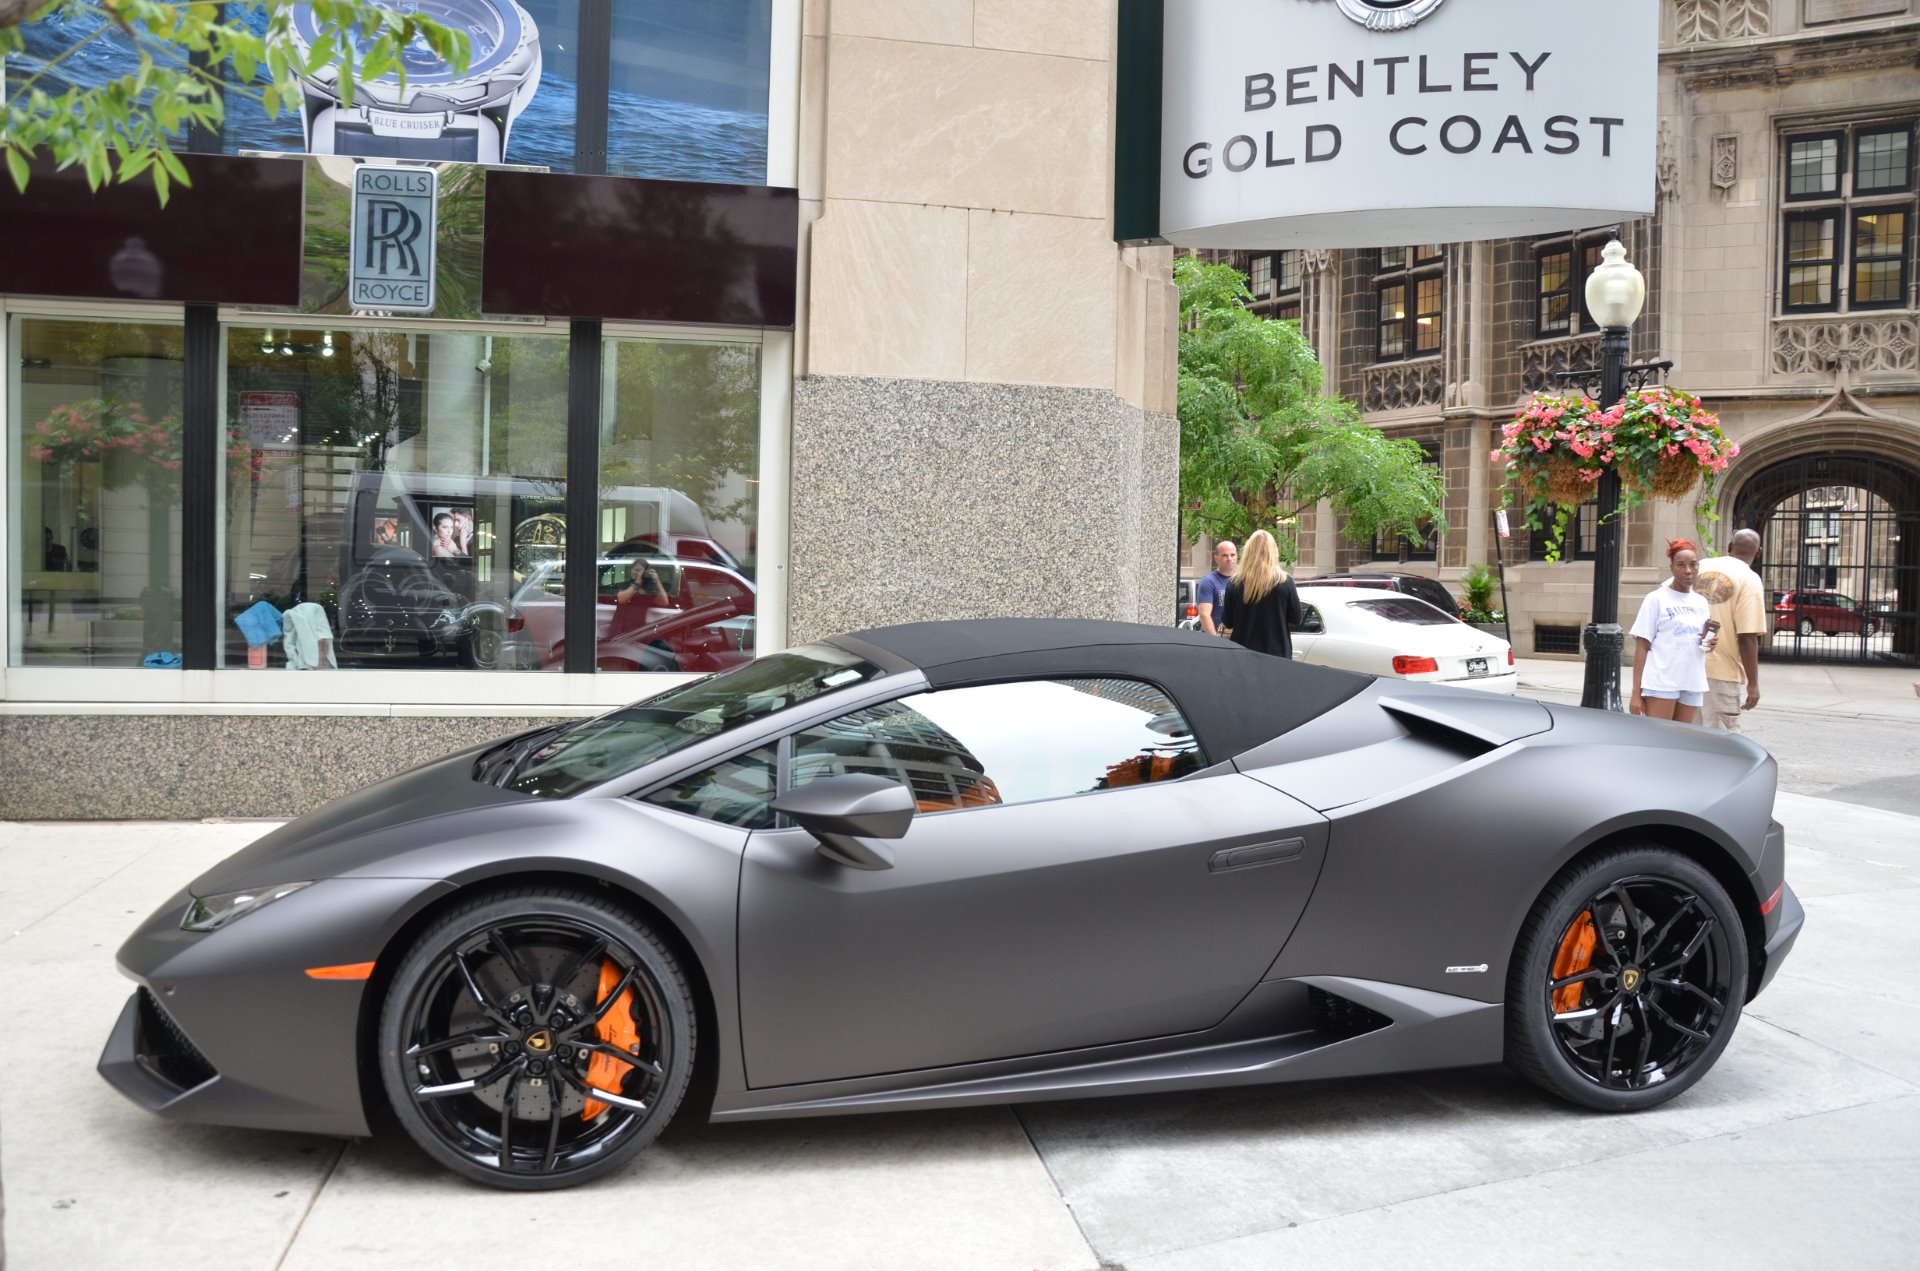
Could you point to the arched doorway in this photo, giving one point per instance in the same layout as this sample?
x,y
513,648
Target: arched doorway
x,y
1839,556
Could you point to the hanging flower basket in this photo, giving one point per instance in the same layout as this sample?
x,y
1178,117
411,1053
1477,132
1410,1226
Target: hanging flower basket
x,y
1661,441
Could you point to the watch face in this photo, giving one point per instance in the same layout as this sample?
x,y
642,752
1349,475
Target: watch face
x,y
498,29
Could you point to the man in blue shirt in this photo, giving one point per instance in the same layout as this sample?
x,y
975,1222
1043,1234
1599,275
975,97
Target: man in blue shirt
x,y
1211,595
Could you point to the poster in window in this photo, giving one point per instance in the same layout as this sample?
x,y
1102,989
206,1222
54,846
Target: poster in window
x,y
452,527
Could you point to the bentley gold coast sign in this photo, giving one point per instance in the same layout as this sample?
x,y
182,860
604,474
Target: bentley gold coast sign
x,y
1364,123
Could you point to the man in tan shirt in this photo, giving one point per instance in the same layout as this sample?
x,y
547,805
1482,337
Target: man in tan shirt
x,y
1733,591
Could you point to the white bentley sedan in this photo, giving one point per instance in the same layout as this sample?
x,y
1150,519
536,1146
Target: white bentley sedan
x,y
1388,633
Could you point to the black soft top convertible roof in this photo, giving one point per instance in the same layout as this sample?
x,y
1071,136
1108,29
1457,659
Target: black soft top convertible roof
x,y
1234,699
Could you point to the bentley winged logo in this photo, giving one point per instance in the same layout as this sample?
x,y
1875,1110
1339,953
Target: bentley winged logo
x,y
1386,15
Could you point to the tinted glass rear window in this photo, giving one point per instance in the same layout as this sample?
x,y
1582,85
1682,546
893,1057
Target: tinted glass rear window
x,y
1402,609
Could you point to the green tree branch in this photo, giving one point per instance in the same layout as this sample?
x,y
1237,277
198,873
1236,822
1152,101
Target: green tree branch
x,y
1259,444
129,126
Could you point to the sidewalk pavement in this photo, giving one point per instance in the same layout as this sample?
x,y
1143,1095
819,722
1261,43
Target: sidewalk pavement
x,y
1805,1137
1816,688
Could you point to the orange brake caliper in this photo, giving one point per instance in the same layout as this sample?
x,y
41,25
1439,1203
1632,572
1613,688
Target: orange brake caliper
x,y
1574,956
615,1029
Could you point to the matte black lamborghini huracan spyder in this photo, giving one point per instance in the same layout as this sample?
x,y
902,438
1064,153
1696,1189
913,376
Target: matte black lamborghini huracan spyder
x,y
966,863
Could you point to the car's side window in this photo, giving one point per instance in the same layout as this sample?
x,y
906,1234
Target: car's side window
x,y
1310,623
1007,743
737,791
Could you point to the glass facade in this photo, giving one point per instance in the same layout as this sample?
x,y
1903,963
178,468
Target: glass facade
x,y
409,483
679,469
94,431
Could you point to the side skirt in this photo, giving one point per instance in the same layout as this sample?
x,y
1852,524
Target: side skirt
x,y
1281,1032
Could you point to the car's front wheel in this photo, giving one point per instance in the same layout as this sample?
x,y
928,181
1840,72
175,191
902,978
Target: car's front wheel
x,y
537,1038
1627,981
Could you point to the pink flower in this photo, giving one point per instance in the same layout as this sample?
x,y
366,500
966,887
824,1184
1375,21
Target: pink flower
x,y
41,453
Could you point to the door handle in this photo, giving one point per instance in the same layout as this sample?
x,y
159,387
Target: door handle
x,y
1256,854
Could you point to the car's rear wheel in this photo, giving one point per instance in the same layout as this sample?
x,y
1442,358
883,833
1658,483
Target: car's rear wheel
x,y
1807,628
536,1039
1627,982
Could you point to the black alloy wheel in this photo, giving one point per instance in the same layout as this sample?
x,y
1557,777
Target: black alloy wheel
x,y
536,1039
1627,982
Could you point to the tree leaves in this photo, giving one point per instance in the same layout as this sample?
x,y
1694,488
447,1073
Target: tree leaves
x,y
191,56
1259,444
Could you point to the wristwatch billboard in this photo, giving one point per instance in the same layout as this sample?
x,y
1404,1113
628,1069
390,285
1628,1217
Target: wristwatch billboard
x,y
437,114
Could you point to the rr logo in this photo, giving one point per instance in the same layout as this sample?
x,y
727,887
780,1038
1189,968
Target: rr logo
x,y
395,219
392,229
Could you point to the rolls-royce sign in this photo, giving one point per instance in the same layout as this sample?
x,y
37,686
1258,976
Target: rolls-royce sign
x,y
1362,123
395,210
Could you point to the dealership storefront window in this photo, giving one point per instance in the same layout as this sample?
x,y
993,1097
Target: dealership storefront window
x,y
679,472
405,481
411,484
94,440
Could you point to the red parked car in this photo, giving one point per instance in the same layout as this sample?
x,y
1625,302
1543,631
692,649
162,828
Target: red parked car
x,y
1822,612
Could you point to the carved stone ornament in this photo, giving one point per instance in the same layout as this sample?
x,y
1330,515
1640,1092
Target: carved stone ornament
x,y
1541,364
1316,260
1396,385
1705,21
1726,162
1859,343
1666,168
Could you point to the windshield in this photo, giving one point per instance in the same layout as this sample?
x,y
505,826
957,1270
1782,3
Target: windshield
x,y
597,750
1401,609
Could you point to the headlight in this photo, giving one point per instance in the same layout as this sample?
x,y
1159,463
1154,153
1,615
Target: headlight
x,y
210,913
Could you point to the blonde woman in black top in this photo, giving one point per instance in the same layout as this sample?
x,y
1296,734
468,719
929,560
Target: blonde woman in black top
x,y
1262,606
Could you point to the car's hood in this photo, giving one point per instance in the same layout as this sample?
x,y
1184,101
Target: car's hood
x,y
438,790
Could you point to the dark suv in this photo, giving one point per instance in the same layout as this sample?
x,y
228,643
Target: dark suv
x,y
1412,584
1825,612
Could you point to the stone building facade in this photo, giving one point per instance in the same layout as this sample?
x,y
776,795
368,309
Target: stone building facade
x,y
1781,283
778,318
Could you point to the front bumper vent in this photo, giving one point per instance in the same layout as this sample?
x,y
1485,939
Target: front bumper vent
x,y
163,1049
1342,1016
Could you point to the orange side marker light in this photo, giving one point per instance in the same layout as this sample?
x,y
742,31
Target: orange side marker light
x,y
346,971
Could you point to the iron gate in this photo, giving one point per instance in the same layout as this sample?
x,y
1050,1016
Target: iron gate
x,y
1839,557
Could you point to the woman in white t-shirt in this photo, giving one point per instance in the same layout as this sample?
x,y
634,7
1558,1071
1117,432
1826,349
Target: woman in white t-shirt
x,y
1671,637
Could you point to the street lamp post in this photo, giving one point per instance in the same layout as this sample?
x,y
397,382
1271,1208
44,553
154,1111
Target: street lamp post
x,y
1615,294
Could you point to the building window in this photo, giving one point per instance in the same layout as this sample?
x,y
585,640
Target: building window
x,y
1562,269
1409,288
94,429
1287,285
1262,277
679,495
409,483
1581,539
1847,227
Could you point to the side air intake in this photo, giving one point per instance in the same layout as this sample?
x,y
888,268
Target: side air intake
x,y
1343,1017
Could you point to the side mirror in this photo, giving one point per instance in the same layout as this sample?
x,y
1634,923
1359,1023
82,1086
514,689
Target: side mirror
x,y
841,811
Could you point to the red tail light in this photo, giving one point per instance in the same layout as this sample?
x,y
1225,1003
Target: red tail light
x,y
516,624
1193,611
1509,655
1407,665
1772,900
